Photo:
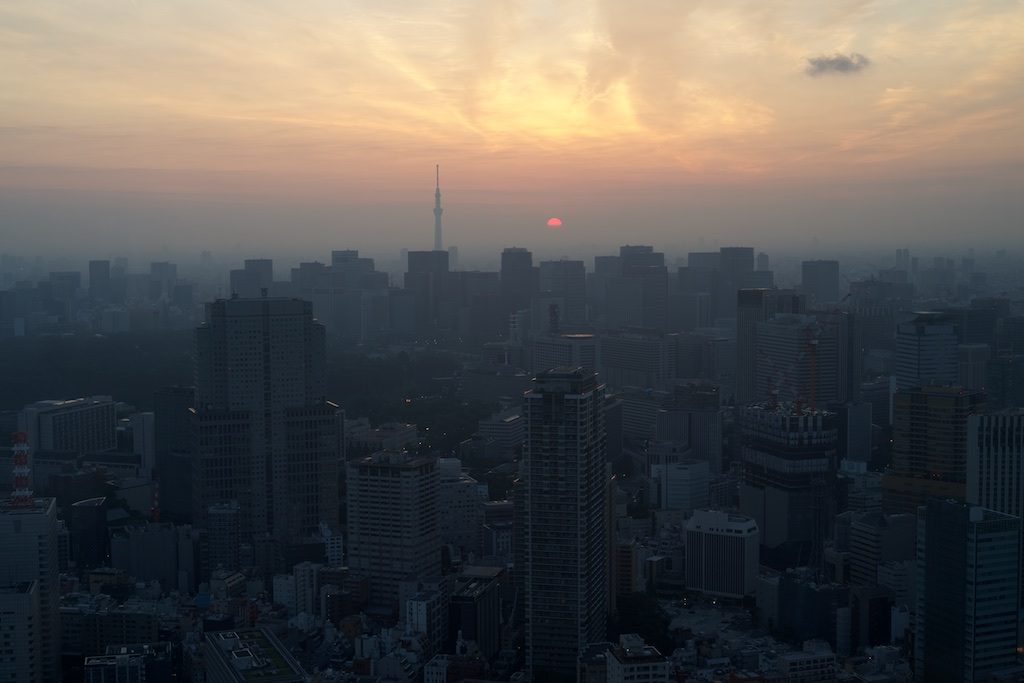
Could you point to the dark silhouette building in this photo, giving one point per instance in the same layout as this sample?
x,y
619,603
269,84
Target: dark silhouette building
x,y
968,571
265,435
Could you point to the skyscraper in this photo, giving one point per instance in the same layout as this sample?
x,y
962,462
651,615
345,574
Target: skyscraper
x,y
995,464
702,413
803,358
789,465
876,538
266,437
755,306
926,351
995,461
564,526
252,280
636,291
426,276
99,280
1004,384
819,281
567,280
172,426
394,527
972,365
929,446
519,283
735,270
28,548
638,359
171,419
263,268
20,654
968,583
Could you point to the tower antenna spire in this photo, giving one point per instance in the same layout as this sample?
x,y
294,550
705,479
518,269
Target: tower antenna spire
x,y
438,242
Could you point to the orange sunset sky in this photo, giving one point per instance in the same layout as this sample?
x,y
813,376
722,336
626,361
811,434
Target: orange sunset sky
x,y
687,118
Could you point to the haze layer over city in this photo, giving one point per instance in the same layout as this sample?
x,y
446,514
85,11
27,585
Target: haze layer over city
x,y
511,342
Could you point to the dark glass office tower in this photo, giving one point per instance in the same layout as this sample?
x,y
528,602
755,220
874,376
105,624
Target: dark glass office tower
x,y
265,436
968,571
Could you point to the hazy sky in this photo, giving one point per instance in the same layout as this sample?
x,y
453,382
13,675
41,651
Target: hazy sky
x,y
173,122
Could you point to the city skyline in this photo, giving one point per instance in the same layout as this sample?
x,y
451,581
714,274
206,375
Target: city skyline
x,y
504,473
158,124
703,361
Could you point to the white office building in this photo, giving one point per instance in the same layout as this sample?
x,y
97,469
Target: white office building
x,y
722,554
81,425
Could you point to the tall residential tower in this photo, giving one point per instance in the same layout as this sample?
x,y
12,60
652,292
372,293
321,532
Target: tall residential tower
x,y
564,560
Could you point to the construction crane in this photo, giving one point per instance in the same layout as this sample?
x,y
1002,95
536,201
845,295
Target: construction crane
x,y
812,332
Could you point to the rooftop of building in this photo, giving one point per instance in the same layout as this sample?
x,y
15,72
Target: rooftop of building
x,y
791,408
94,603
109,660
564,379
595,654
59,403
400,459
482,571
254,654
21,588
474,587
632,650
31,506
701,619
791,320
884,520
716,519
395,427
111,457
159,649
811,649
97,502
1006,412
939,390
983,514
930,316
237,307
564,372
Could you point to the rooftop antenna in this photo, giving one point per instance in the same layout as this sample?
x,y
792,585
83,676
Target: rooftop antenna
x,y
438,242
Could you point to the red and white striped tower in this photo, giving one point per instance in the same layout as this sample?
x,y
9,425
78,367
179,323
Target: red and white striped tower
x,y
21,496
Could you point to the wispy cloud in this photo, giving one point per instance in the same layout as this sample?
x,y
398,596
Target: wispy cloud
x,y
837,64
307,89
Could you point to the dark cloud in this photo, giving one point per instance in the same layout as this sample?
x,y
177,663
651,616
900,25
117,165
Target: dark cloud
x,y
837,64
